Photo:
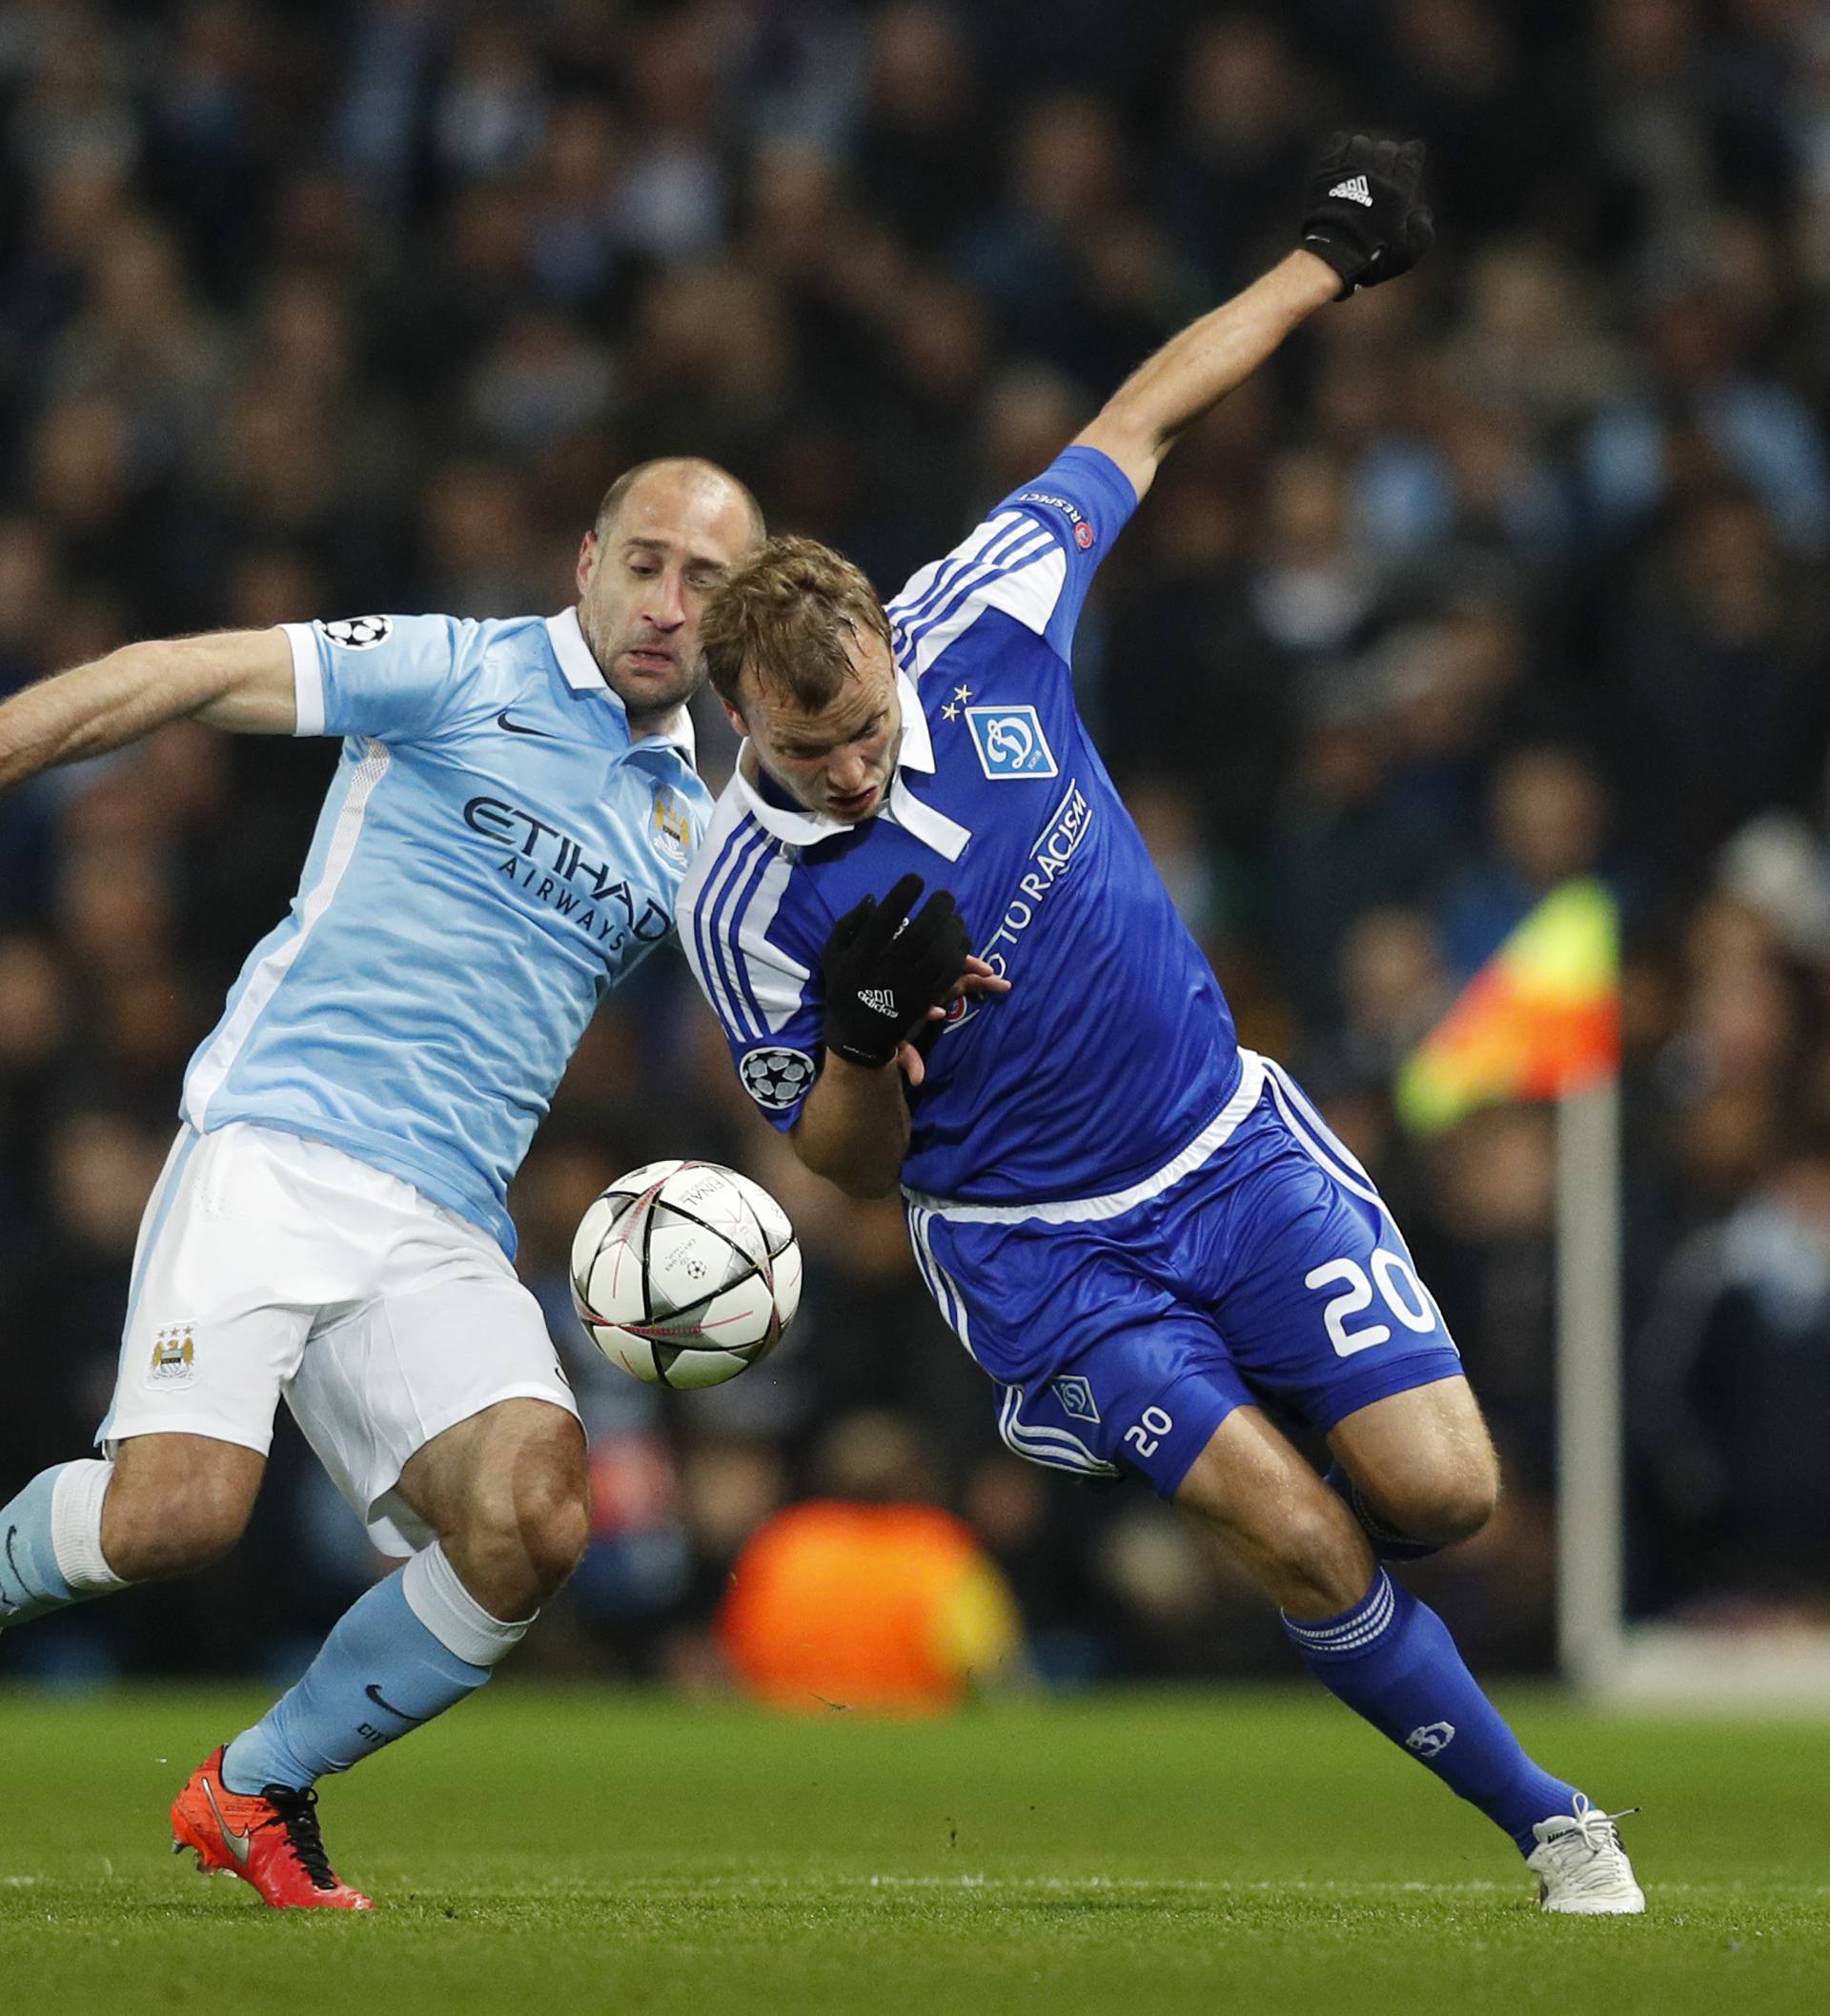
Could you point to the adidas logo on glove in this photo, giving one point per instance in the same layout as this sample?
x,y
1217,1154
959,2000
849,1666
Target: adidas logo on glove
x,y
1354,190
878,998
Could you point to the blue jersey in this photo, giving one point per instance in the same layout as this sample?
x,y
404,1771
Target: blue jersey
x,y
1115,1049
494,855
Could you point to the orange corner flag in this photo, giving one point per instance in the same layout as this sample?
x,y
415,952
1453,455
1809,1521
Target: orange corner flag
x,y
1541,1018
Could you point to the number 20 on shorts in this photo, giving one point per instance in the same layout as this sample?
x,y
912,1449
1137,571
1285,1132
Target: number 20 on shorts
x,y
1146,1438
1398,1287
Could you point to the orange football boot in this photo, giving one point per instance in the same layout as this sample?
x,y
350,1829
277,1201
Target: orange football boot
x,y
269,1839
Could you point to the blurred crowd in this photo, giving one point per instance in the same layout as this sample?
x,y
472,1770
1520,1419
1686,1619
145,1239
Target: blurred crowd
x,y
1509,572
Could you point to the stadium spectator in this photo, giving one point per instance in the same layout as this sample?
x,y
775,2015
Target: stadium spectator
x,y
869,1597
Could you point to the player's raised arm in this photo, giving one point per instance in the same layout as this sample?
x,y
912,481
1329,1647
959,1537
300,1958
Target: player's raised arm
x,y
232,679
1362,223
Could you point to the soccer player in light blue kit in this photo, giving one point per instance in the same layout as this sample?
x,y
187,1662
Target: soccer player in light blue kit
x,y
1140,1231
504,840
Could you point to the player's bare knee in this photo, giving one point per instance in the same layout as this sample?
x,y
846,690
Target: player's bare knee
x,y
1449,1504
1320,1561
522,1535
149,1536
1468,1504
176,1504
554,1540
552,1499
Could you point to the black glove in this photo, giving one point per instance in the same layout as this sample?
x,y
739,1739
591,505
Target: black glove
x,y
1363,216
885,969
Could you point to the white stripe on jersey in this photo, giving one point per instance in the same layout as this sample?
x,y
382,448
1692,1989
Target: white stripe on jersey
x,y
1029,593
779,983
746,855
1018,537
928,583
207,1075
727,855
1010,562
1084,1210
952,609
728,902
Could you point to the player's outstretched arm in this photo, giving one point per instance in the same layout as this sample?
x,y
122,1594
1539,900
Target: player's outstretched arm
x,y
1362,223
232,679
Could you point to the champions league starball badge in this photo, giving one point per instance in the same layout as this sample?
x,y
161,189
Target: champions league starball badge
x,y
775,1078
358,633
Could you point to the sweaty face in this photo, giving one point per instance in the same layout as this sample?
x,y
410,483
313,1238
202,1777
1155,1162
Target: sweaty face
x,y
839,761
643,585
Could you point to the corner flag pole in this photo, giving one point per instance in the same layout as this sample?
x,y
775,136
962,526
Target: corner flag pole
x,y
1541,1021
1591,1512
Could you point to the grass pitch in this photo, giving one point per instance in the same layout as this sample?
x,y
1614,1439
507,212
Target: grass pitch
x,y
589,1851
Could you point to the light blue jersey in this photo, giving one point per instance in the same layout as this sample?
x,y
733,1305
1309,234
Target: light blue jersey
x,y
494,855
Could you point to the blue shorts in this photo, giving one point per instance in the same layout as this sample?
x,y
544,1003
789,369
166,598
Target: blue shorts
x,y
1259,1264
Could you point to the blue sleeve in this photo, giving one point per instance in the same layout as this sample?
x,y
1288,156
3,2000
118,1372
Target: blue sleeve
x,y
762,982
1086,500
1033,557
395,678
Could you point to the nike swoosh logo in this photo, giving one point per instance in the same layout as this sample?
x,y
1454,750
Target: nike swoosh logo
x,y
6,1602
515,727
380,1700
239,1844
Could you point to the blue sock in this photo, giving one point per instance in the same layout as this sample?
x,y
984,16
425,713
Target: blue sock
x,y
1387,1544
1390,1660
380,1674
30,1583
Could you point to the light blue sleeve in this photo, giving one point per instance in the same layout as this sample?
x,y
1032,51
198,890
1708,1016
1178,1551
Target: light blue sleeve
x,y
396,677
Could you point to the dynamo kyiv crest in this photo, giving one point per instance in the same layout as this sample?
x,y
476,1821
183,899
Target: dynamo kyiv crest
x,y
1011,741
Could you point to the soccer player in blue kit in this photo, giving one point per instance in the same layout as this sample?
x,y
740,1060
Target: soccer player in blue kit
x,y
504,840
1138,1229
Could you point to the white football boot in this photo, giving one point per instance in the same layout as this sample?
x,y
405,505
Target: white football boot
x,y
1580,1865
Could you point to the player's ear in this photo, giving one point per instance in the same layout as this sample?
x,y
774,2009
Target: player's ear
x,y
731,715
589,553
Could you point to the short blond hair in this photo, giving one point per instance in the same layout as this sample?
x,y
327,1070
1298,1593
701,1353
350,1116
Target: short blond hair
x,y
790,615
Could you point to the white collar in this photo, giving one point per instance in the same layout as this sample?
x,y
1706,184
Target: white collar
x,y
915,751
584,675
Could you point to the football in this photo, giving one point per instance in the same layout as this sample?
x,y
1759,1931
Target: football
x,y
685,1273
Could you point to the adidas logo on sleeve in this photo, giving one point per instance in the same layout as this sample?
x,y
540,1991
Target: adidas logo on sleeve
x,y
1354,190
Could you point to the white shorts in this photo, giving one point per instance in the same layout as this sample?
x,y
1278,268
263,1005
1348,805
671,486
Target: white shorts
x,y
269,1265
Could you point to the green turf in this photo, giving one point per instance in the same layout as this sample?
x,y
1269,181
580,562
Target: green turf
x,y
588,1852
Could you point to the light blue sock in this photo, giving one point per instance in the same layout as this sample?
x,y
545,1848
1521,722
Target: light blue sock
x,y
31,1583
380,1673
1390,1660
60,1505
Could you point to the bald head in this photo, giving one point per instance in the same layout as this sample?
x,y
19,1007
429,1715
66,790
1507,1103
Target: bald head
x,y
689,472
666,534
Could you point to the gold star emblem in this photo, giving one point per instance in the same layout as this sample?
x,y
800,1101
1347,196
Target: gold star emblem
x,y
949,712
962,693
